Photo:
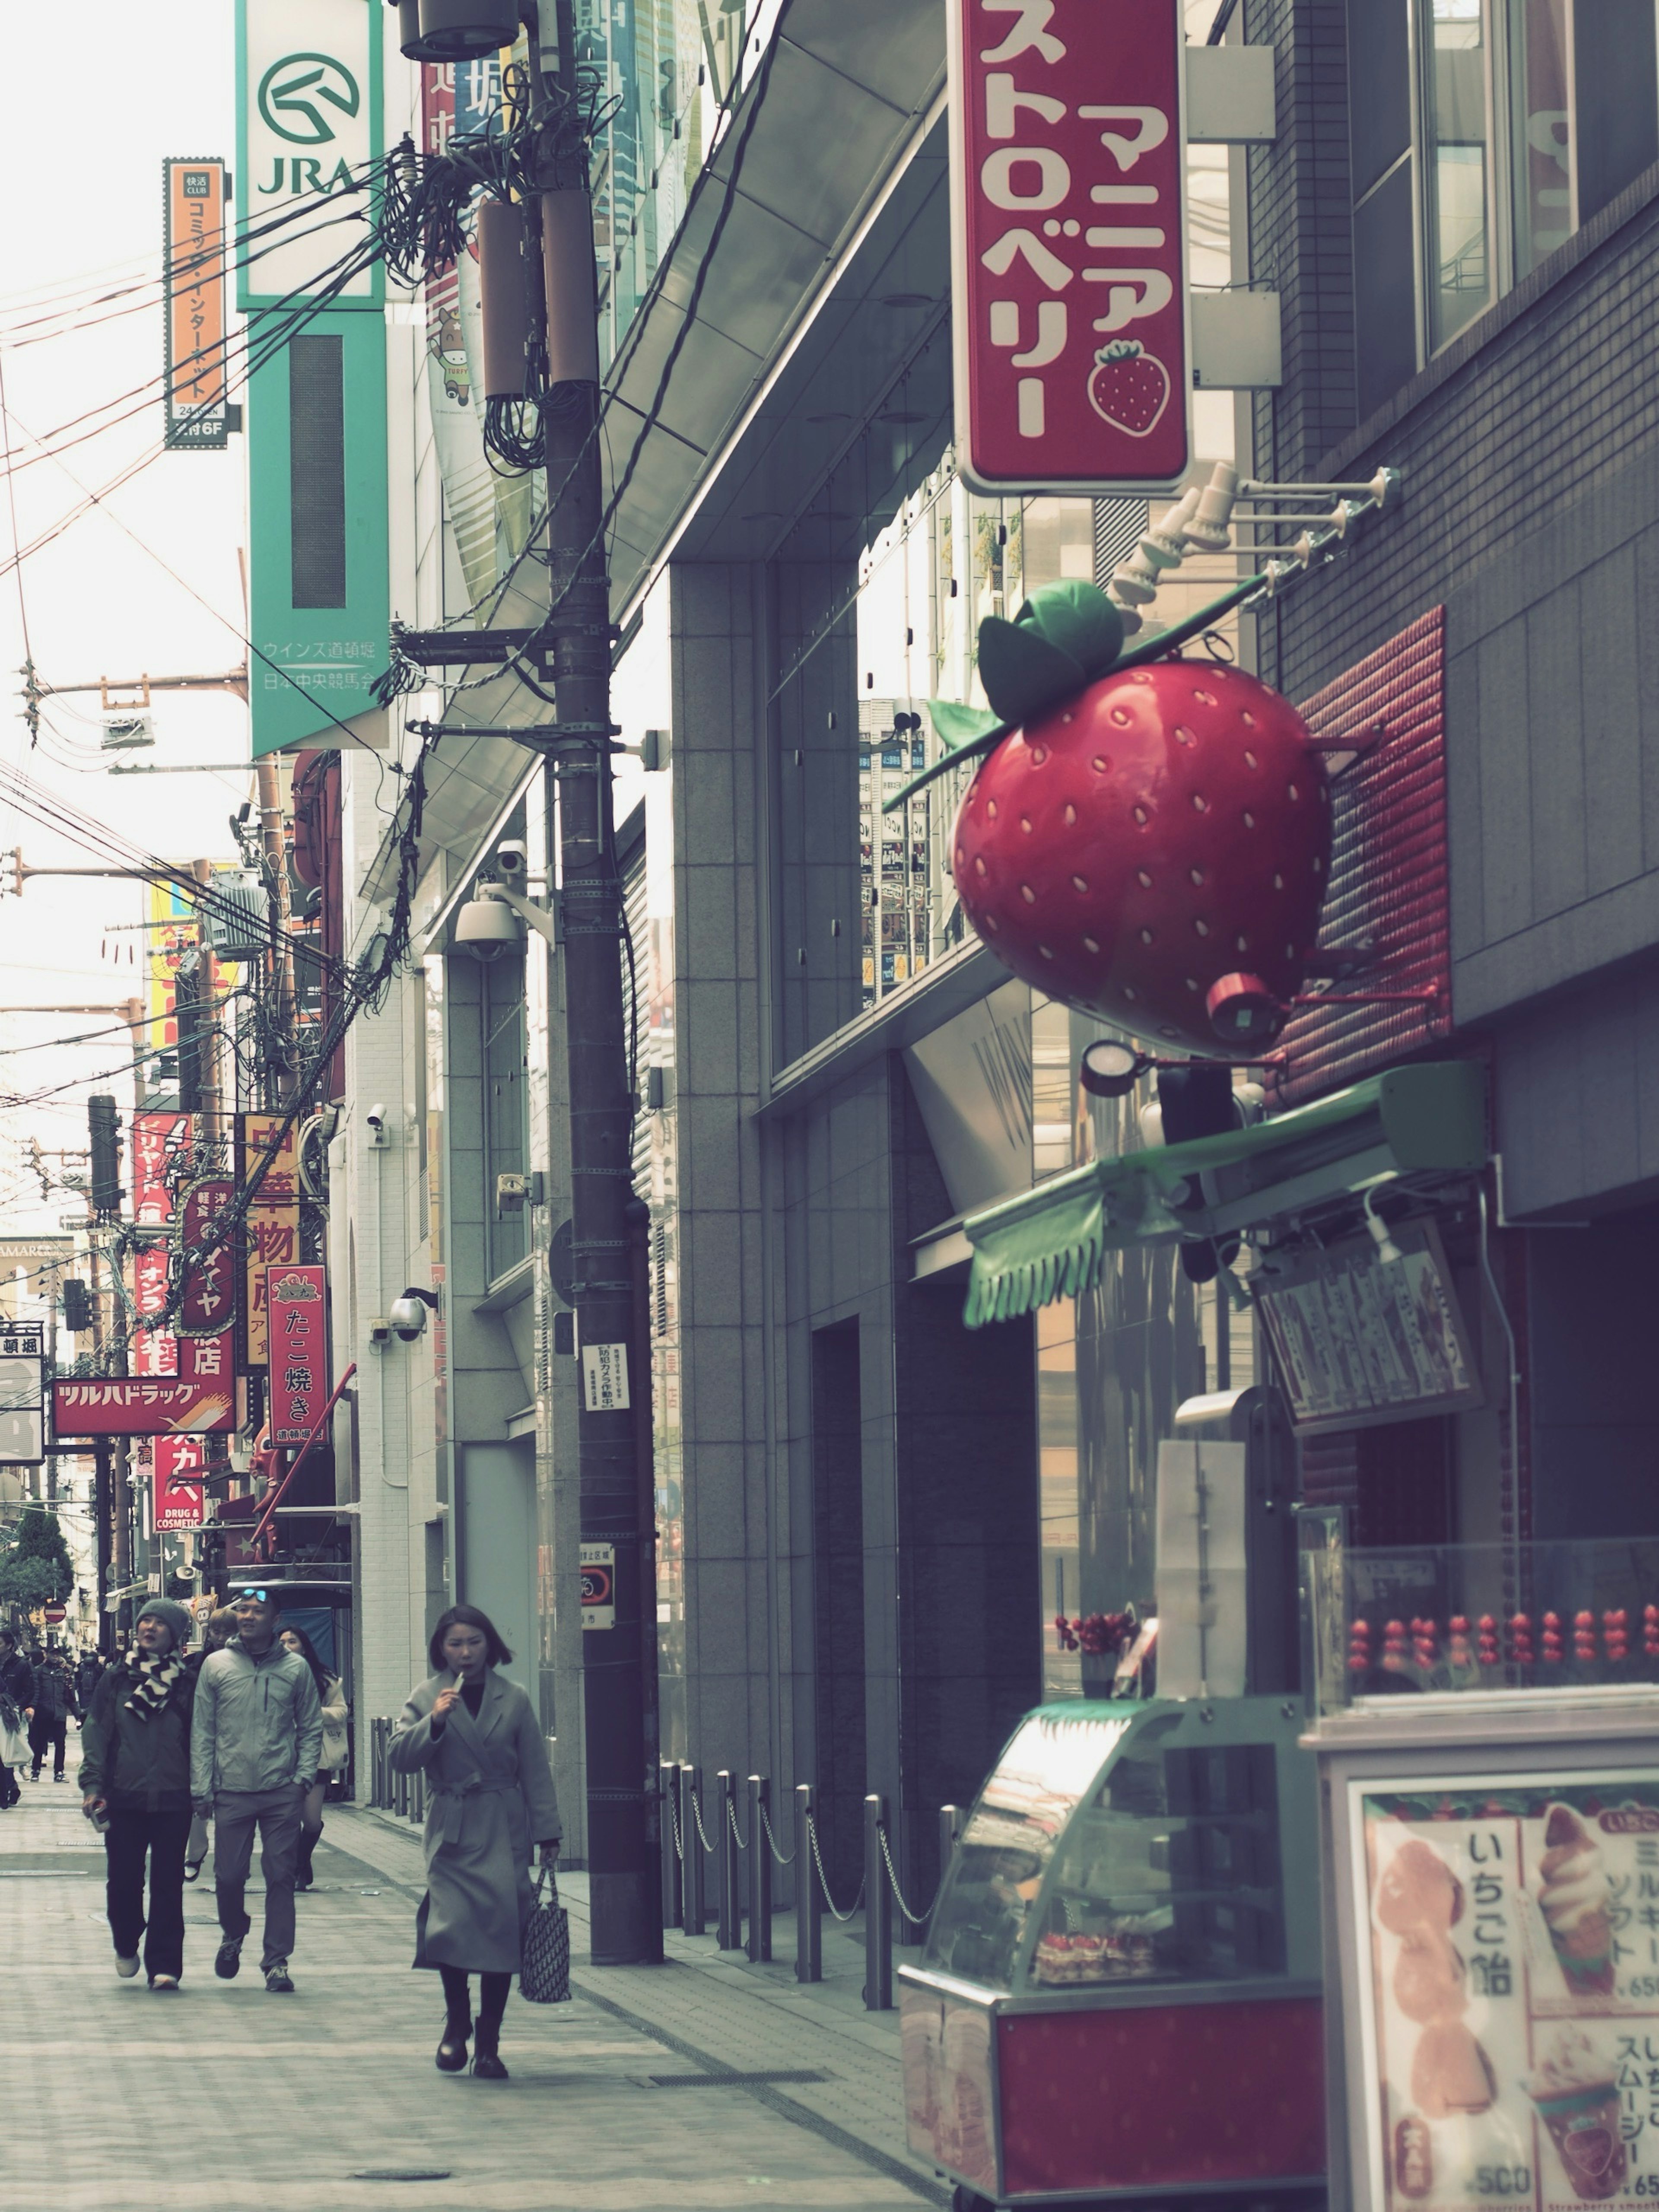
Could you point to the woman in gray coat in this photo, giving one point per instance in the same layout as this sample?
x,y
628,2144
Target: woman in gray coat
x,y
477,1738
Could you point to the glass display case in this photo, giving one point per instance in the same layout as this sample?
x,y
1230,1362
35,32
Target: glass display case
x,y
1127,1936
1536,1619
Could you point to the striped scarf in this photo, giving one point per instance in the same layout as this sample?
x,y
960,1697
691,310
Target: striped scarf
x,y
155,1679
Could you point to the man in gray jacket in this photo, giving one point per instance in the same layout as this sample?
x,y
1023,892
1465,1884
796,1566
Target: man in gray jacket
x,y
255,1742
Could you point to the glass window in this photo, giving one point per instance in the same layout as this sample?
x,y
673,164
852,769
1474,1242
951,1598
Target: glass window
x,y
1541,147
1172,1873
1527,118
1456,133
1009,1838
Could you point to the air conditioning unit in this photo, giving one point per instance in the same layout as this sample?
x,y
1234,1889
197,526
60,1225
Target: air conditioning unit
x,y
236,919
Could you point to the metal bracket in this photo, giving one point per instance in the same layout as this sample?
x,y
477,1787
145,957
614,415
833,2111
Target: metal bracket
x,y
443,648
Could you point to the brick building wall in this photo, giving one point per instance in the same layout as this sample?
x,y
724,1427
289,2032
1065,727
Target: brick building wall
x,y
1301,239
1529,509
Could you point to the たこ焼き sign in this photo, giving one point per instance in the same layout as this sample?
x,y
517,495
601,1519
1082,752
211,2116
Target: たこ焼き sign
x,y
296,1307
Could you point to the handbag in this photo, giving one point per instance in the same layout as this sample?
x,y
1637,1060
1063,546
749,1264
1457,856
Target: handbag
x,y
545,1964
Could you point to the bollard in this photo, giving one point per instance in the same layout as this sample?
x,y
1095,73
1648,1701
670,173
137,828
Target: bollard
x,y
760,1872
730,1935
418,1811
382,1760
878,1912
399,1791
950,1835
809,1905
668,1781
694,1916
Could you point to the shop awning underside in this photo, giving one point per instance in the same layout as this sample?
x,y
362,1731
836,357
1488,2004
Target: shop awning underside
x,y
1048,1242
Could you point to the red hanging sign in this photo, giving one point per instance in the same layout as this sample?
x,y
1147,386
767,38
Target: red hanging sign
x,y
136,1406
296,1303
209,1298
156,1139
1067,211
178,1468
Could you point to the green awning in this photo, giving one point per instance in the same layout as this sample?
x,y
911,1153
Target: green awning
x,y
1048,1242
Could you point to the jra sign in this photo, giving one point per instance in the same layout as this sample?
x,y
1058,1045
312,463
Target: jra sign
x,y
1067,208
309,93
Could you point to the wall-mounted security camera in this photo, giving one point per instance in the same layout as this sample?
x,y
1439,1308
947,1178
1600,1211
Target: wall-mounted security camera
x,y
409,1313
512,858
488,927
375,1121
493,922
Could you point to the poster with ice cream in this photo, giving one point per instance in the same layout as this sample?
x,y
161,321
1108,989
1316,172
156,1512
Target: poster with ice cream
x,y
1511,1991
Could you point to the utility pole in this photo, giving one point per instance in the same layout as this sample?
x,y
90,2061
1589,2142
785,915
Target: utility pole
x,y
619,1679
270,785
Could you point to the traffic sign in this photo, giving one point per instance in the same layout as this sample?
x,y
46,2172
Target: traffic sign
x,y
599,1585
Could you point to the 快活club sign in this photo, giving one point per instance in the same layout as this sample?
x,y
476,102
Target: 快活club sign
x,y
1069,296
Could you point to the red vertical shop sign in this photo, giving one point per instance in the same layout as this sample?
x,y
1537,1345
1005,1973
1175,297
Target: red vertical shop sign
x,y
1068,213
156,1138
178,1468
296,1304
207,1315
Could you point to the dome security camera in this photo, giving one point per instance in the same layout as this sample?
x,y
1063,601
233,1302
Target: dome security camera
x,y
489,929
409,1313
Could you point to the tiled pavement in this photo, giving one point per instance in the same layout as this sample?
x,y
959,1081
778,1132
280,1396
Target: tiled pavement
x,y
117,2098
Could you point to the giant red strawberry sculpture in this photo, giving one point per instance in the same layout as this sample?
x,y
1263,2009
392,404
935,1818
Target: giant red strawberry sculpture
x,y
1151,845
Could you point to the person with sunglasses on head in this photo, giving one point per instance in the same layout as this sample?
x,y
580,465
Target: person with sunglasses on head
x,y
477,1737
220,1630
336,1714
135,1783
254,1747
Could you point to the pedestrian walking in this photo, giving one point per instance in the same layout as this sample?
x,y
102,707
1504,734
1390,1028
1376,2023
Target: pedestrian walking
x,y
54,1707
221,1627
16,1709
477,1737
336,1749
134,1784
254,1747
88,1675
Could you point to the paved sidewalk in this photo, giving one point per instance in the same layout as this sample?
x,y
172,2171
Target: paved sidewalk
x,y
721,2013
116,2097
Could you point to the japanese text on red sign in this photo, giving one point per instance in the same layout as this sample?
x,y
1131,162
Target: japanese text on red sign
x,y
296,1309
1068,205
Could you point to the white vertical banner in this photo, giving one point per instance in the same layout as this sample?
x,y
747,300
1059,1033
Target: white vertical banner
x,y
308,125
604,1378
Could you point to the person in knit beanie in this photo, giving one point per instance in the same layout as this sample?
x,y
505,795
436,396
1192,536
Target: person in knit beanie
x,y
134,1785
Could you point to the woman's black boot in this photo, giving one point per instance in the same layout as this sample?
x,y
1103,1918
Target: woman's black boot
x,y
487,2062
451,2051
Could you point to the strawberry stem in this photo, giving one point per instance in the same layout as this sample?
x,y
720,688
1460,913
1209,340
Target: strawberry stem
x,y
1194,625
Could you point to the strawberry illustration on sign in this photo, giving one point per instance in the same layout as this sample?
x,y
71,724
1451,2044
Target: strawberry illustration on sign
x,y
1129,388
1147,838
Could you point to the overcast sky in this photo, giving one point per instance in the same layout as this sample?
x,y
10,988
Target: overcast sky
x,y
98,603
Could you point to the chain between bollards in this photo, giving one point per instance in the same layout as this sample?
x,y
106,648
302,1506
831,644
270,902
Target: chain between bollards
x,y
682,1874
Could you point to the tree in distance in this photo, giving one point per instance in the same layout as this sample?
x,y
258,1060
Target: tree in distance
x,y
35,1569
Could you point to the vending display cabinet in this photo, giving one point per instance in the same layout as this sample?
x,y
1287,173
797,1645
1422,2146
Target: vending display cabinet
x,y
1121,1991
